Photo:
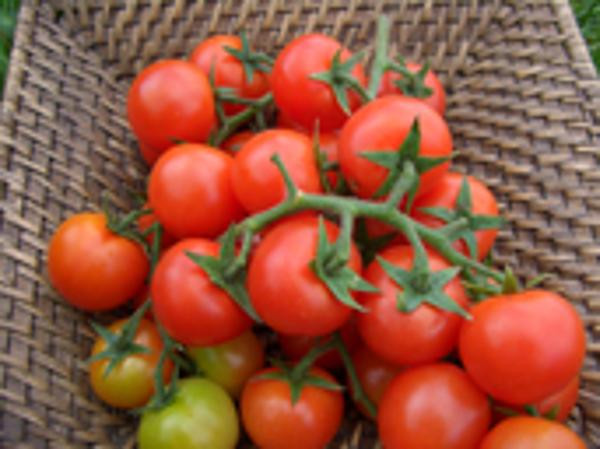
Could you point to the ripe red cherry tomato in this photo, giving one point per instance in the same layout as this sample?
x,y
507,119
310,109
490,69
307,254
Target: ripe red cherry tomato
x,y
258,183
130,383
284,290
235,143
371,129
445,193
93,268
525,432
192,309
393,334
437,99
523,347
305,100
433,407
170,100
146,221
228,70
273,422
150,155
190,191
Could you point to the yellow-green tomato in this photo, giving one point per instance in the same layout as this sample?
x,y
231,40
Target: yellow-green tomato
x,y
201,416
232,363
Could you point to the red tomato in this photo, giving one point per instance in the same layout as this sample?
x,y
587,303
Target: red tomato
x,y
283,288
526,432
437,99
283,121
393,334
305,100
433,407
273,422
237,141
445,193
170,100
93,268
228,70
144,223
374,374
257,181
190,191
523,347
150,155
140,299
131,383
192,309
371,129
297,346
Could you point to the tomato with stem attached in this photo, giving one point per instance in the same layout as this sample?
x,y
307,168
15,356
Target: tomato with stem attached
x,y
170,101
520,348
232,363
193,310
92,267
130,383
433,407
145,223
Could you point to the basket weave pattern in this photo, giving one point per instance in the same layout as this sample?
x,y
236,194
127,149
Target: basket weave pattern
x,y
523,107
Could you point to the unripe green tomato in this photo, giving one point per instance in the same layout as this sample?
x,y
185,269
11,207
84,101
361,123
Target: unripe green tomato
x,y
201,416
230,364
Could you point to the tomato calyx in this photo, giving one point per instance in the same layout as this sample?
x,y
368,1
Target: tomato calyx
x,y
464,209
411,84
324,166
251,61
480,287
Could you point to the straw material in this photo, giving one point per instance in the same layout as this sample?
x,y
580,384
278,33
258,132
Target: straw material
x,y
524,108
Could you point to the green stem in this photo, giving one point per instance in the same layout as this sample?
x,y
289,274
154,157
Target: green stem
x,y
454,228
344,241
231,124
309,359
380,60
407,179
242,258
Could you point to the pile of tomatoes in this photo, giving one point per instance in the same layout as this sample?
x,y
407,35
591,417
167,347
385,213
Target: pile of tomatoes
x,y
302,202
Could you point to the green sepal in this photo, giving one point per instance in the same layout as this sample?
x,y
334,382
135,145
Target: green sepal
x,y
367,245
251,61
411,84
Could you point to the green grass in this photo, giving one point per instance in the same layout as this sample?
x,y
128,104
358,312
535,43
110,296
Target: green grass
x,y
586,11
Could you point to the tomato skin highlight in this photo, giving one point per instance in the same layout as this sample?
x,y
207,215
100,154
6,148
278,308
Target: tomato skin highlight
x,y
394,335
523,347
274,423
526,432
93,268
170,100
258,183
437,99
131,383
370,129
228,70
445,193
433,407
192,309
202,416
231,363
302,99
186,183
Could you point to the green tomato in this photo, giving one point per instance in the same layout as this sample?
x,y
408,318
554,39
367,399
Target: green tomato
x,y
201,416
232,363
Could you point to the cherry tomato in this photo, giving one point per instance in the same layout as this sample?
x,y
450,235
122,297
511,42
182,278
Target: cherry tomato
x,y
437,99
93,268
201,416
140,299
130,383
228,70
433,407
273,422
526,432
393,334
305,100
297,346
192,309
257,181
445,193
150,155
371,129
283,121
374,374
230,364
170,100
523,347
237,141
146,221
190,191
284,290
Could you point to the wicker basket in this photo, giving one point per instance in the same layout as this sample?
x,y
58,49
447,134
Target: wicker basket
x,y
524,108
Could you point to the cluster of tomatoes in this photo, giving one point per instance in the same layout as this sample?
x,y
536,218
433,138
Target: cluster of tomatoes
x,y
342,232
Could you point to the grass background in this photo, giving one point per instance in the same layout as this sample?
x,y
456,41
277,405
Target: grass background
x,y
586,11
